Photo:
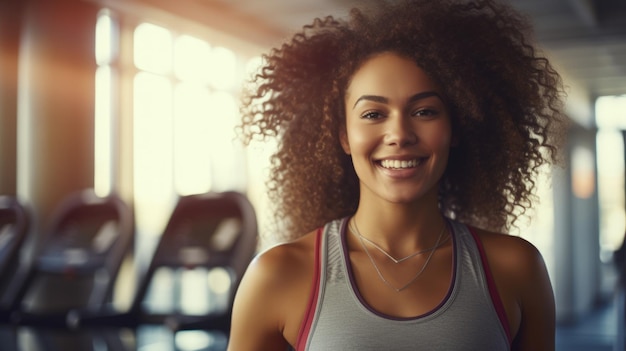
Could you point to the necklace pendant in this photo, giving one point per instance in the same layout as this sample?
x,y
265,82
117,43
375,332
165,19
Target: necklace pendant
x,y
362,239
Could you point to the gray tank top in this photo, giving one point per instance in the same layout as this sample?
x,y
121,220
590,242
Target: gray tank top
x,y
471,317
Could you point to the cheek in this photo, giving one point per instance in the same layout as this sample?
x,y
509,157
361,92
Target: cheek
x,y
445,141
439,137
361,140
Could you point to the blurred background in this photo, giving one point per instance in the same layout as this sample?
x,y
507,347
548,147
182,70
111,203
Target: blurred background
x,y
139,98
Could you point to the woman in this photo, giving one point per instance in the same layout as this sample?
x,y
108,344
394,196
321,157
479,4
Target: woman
x,y
409,140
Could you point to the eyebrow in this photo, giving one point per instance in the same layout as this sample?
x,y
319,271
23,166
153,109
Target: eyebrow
x,y
384,100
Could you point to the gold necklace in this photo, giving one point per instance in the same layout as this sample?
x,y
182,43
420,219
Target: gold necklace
x,y
355,229
380,275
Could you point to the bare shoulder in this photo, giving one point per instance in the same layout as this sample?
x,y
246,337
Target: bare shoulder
x,y
268,288
524,286
512,254
280,267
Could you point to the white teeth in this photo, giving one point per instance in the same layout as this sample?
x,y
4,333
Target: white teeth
x,y
399,164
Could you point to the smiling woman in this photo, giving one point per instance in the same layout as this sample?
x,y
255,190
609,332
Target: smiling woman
x,y
393,237
397,119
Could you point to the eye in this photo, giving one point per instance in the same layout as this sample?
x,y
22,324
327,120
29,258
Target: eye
x,y
371,115
424,112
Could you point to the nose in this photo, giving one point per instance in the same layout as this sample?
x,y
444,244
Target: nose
x,y
400,131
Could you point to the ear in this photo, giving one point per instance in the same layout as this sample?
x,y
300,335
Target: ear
x,y
343,139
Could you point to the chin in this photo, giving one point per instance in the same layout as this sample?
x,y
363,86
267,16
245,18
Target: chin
x,y
404,199
411,196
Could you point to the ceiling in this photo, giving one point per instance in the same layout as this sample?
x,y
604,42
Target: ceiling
x,y
586,39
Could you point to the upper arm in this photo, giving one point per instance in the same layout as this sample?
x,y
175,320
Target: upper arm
x,y
272,297
257,315
537,324
525,289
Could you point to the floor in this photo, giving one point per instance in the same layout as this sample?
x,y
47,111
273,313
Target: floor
x,y
597,332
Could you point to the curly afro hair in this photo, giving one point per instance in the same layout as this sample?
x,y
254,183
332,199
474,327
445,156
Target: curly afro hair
x,y
504,96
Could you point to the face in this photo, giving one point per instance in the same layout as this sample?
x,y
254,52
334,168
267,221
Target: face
x,y
398,130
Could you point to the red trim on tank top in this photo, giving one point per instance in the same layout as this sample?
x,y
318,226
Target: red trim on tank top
x,y
305,328
493,290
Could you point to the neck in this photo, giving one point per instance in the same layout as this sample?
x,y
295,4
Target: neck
x,y
400,228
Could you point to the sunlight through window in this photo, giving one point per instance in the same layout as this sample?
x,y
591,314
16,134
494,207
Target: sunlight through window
x,y
192,141
154,195
611,121
194,297
185,113
106,35
220,281
195,340
223,67
610,144
104,136
103,132
153,48
226,151
611,112
192,59
160,297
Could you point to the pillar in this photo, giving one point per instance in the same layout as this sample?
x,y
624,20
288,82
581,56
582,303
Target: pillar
x,y
10,22
56,103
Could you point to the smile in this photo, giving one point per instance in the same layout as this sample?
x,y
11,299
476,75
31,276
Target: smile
x,y
400,164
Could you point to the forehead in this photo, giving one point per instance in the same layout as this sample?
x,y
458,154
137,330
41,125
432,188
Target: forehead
x,y
389,74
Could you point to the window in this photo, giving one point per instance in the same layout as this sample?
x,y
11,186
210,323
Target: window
x,y
185,112
611,122
172,124
178,95
106,55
